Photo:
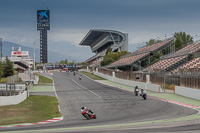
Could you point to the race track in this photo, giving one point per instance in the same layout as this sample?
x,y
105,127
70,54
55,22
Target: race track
x,y
111,105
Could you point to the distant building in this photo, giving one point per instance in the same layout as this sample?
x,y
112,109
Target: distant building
x,y
20,59
99,40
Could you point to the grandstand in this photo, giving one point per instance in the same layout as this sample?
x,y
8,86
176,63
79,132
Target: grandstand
x,y
99,40
141,57
181,59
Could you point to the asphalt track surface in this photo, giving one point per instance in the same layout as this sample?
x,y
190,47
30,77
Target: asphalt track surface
x,y
111,105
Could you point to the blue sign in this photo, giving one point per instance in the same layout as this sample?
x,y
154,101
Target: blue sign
x,y
43,20
60,66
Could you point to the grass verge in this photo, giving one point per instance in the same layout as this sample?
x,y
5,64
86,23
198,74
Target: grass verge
x,y
3,80
43,79
91,75
33,109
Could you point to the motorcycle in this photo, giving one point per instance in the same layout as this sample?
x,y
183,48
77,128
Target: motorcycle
x,y
136,92
144,96
79,78
89,114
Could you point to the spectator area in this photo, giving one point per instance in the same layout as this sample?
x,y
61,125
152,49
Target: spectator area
x,y
166,63
139,54
169,61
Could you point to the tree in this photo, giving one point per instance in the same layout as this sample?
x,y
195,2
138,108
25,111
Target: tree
x,y
182,39
152,41
1,70
111,57
109,49
8,68
63,61
178,42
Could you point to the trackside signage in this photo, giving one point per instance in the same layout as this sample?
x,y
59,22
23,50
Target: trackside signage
x,y
18,87
60,66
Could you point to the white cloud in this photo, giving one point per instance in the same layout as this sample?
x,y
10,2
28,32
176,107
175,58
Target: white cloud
x,y
72,36
140,37
19,36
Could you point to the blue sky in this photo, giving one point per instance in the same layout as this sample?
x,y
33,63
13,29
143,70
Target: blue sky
x,y
72,19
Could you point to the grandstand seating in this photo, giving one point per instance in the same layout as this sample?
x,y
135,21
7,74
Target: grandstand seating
x,y
128,60
152,47
170,60
139,54
195,63
186,50
166,63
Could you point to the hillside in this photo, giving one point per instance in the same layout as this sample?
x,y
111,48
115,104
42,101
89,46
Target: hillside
x,y
52,56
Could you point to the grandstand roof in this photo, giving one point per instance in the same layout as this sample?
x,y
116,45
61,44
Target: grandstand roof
x,y
94,34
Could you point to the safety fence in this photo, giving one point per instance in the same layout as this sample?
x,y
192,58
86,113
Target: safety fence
x,y
11,93
12,89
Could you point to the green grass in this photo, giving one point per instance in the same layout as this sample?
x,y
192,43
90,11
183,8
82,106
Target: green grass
x,y
3,80
43,79
33,109
92,76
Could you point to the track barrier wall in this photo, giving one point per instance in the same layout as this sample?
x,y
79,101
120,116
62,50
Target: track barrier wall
x,y
11,100
22,90
187,92
147,86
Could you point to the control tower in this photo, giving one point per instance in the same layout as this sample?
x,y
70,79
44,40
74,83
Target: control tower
x,y
43,24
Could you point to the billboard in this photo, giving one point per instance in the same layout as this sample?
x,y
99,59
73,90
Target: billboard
x,y
19,53
43,20
60,66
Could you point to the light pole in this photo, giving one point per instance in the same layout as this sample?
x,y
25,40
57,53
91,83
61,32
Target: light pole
x,y
34,58
1,45
140,65
196,37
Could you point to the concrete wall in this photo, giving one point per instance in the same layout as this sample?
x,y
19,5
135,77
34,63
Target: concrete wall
x,y
188,92
11,100
147,86
154,87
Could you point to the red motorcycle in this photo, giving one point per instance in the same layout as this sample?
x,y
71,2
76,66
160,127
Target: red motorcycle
x,y
88,114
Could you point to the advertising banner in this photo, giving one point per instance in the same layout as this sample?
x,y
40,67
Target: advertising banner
x,y
43,20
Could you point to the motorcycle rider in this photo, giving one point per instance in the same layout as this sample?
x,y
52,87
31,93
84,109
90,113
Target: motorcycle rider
x,y
85,109
136,90
143,92
80,77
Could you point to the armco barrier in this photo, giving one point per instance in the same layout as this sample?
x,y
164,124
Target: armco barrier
x,y
187,92
11,100
151,87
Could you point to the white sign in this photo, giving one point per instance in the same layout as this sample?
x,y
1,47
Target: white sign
x,y
18,87
147,78
20,53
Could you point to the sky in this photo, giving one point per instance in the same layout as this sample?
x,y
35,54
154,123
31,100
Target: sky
x,y
71,20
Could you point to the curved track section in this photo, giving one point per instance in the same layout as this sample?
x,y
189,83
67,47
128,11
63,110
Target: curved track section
x,y
110,104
